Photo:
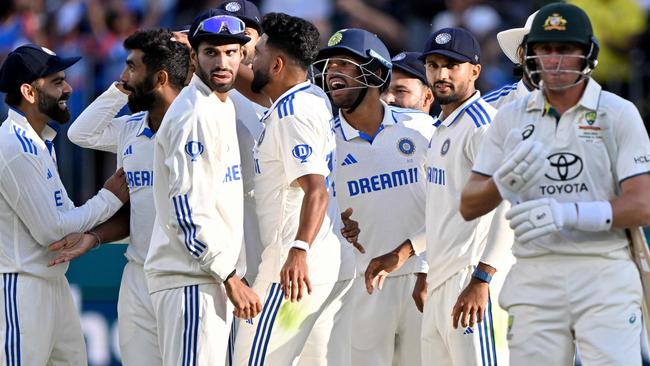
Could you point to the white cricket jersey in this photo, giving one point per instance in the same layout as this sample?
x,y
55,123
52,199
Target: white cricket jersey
x,y
452,243
197,188
581,168
249,129
35,210
383,180
298,140
506,94
132,140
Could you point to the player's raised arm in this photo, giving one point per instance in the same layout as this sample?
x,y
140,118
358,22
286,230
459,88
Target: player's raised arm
x,y
94,128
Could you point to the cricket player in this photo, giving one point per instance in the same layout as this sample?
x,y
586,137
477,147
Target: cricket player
x,y
197,236
511,43
458,252
307,267
381,152
155,72
408,83
41,325
249,128
574,284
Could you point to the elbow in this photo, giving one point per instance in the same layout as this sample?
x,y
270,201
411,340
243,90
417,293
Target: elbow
x,y
73,134
467,211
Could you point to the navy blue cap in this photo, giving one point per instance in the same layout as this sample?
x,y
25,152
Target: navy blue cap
x,y
456,43
224,35
358,42
28,63
409,63
244,10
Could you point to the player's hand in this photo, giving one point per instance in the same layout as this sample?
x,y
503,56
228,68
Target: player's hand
x,y
294,275
420,291
471,304
181,37
379,268
350,230
120,86
247,303
533,219
72,246
117,185
522,168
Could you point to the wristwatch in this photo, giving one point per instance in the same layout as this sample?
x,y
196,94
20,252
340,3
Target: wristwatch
x,y
482,275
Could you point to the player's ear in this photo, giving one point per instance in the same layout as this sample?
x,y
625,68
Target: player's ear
x,y
279,63
28,91
475,72
161,78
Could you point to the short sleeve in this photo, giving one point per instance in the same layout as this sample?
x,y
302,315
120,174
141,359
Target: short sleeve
x,y
303,147
633,144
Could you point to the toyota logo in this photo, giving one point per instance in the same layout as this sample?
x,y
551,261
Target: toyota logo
x,y
564,166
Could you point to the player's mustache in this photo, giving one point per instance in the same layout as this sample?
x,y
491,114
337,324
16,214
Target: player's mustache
x,y
442,83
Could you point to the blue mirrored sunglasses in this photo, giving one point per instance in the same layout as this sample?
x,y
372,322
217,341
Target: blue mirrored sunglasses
x,y
221,24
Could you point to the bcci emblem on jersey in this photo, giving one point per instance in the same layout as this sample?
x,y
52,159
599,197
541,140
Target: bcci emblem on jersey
x,y
445,147
406,146
194,149
302,152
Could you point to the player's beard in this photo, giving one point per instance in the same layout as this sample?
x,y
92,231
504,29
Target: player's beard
x,y
260,79
142,96
219,88
50,106
453,97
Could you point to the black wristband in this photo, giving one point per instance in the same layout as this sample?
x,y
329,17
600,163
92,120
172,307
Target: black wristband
x,y
234,272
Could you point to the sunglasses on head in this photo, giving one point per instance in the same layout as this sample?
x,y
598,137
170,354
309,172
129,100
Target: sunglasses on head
x,y
221,24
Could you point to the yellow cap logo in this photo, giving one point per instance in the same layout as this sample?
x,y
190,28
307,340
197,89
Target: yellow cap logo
x,y
555,22
335,39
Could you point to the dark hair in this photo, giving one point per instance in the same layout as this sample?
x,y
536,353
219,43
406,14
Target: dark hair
x,y
295,37
161,53
13,97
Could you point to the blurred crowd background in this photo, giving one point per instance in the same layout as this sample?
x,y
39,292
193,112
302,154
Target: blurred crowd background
x,y
95,30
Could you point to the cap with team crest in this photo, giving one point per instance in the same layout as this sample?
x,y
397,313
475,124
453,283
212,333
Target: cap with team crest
x,y
30,62
408,63
455,43
244,10
560,22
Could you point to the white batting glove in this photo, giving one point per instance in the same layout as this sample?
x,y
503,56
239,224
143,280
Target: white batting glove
x,y
524,167
533,219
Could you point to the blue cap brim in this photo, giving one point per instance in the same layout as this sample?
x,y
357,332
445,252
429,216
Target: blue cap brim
x,y
409,70
447,53
62,64
223,38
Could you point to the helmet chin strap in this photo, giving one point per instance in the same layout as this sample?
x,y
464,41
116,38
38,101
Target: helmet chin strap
x,y
357,101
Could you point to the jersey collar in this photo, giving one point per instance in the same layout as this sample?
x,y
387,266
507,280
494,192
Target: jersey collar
x,y
144,127
18,118
200,85
458,112
347,132
589,99
294,89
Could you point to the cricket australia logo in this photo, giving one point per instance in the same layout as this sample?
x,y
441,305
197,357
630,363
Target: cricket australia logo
x,y
555,22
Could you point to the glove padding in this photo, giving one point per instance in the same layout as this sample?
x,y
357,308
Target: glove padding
x,y
523,167
533,219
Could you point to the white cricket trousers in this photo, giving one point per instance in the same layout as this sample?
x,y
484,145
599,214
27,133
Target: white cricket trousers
x,y
558,302
441,343
386,325
312,332
193,324
40,322
136,320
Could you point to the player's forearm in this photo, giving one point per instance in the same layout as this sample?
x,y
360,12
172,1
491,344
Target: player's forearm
x,y
312,213
632,207
479,197
404,251
115,228
88,129
243,85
